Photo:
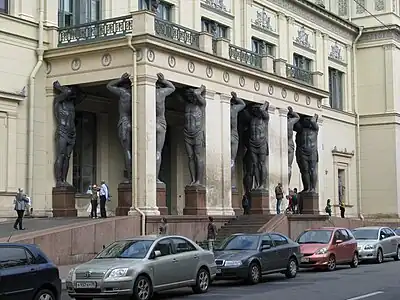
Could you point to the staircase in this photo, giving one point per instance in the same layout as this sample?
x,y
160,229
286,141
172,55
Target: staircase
x,y
242,224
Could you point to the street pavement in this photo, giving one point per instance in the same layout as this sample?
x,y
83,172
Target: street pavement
x,y
368,281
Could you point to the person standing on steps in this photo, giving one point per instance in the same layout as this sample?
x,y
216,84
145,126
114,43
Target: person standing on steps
x,y
342,209
211,233
104,196
164,226
328,207
20,203
279,197
245,205
94,201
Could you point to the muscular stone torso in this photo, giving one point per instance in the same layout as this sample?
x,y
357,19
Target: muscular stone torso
x,y
193,120
66,118
258,132
306,141
160,108
290,125
234,123
124,106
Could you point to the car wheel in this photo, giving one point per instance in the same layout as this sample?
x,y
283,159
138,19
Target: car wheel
x,y
379,256
291,269
202,282
143,289
331,263
254,273
355,261
45,295
397,256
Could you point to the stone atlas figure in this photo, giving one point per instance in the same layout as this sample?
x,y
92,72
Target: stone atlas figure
x,y
194,132
258,143
164,88
292,118
237,105
248,170
122,88
307,151
65,100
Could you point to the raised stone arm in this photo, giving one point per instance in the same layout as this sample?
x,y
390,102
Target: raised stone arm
x,y
64,92
293,117
114,85
314,122
239,103
168,87
199,95
264,110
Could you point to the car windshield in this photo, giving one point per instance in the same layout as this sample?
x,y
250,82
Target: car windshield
x,y
241,242
136,249
315,237
365,234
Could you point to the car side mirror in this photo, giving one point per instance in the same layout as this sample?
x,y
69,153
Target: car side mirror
x,y
339,241
265,247
155,254
382,237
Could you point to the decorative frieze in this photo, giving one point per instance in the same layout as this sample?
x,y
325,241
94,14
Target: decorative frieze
x,y
360,7
337,51
263,19
219,5
343,8
379,5
304,36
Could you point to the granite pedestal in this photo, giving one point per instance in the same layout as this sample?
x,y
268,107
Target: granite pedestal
x,y
124,199
195,200
162,198
63,201
260,202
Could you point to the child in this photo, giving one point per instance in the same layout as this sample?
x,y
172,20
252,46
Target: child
x,y
328,207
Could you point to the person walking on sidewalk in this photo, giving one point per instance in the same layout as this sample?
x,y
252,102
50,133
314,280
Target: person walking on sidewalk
x,y
104,196
20,203
279,197
94,198
211,233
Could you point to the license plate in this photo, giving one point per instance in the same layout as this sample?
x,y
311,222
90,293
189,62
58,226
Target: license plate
x,y
86,285
305,259
218,271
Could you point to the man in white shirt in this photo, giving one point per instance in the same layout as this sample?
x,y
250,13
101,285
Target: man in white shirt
x,y
104,195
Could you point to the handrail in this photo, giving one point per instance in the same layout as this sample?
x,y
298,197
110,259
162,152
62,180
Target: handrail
x,y
299,74
245,56
177,33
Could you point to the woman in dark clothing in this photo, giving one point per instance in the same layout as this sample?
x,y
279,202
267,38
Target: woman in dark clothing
x,y
245,205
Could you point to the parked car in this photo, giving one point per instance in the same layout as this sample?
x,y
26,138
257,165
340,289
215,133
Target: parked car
x,y
140,266
26,273
328,247
250,256
377,243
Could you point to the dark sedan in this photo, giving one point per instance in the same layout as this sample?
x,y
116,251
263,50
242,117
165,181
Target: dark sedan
x,y
250,256
27,274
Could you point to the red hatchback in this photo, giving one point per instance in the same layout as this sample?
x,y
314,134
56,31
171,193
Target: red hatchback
x,y
327,247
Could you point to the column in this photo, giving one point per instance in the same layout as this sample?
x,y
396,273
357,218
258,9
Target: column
x,y
227,177
284,160
102,147
283,36
3,152
389,77
321,166
348,91
274,158
12,152
325,66
290,35
146,180
320,55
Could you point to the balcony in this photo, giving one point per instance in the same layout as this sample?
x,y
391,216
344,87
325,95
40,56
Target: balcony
x,y
245,56
299,74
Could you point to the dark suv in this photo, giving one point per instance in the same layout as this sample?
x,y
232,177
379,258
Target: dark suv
x,y
26,273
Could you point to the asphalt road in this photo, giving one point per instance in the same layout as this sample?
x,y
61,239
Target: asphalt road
x,y
368,281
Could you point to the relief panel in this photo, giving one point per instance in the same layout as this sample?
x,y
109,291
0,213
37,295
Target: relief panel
x,y
263,18
304,36
337,51
221,5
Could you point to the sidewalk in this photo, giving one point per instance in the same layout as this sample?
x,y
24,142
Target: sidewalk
x,y
64,270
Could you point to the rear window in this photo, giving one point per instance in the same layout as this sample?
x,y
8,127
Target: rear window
x,y
315,237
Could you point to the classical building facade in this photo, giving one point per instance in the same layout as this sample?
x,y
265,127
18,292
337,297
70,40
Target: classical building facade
x,y
289,53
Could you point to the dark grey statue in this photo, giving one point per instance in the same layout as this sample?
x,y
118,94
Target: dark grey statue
x,y
292,118
307,151
237,105
258,143
65,100
122,88
194,132
164,88
248,170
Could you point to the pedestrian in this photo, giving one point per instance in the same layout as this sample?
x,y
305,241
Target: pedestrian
x,y
164,226
328,207
279,197
20,203
342,209
211,233
245,205
295,201
94,198
104,196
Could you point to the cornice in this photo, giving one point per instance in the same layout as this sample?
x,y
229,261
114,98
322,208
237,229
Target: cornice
x,y
380,33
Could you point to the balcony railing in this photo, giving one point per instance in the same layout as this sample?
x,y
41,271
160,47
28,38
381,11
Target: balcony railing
x,y
176,33
245,56
214,46
95,31
299,74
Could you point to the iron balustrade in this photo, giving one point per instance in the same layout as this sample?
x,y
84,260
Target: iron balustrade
x,y
91,32
244,56
299,74
176,33
214,46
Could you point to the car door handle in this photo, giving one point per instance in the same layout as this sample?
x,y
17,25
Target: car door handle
x,y
174,260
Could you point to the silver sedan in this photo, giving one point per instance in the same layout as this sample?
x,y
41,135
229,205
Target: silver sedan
x,y
140,266
377,243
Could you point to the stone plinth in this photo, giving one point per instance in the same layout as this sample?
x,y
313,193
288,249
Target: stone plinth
x,y
259,202
195,200
124,199
162,198
64,201
309,203
236,202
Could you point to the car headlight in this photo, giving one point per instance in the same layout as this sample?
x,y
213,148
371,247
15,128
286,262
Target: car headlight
x,y
120,272
70,274
233,263
369,247
321,251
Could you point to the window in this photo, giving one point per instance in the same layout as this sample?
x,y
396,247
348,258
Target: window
x,y
351,236
4,6
164,10
164,247
336,89
262,47
74,12
341,185
85,151
266,241
13,257
278,239
216,29
302,62
388,232
344,235
182,245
